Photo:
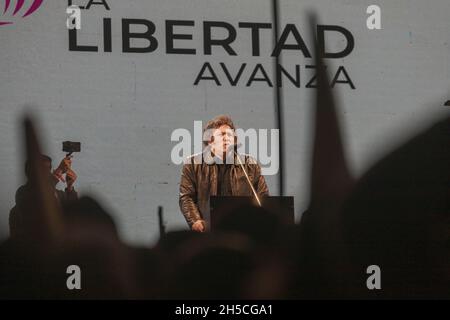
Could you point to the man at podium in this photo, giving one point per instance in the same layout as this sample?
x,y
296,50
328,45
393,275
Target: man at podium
x,y
218,171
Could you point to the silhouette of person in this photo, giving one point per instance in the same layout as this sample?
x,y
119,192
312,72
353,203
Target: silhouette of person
x,y
21,217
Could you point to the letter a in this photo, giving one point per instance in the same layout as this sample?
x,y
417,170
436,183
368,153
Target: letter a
x,y
374,20
374,281
183,149
74,280
74,19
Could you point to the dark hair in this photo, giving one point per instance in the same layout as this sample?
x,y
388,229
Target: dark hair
x,y
215,123
27,164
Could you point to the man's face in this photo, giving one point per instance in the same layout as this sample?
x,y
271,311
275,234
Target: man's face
x,y
223,138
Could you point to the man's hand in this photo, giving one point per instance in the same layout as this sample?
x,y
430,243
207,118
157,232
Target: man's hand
x,y
63,167
65,164
199,226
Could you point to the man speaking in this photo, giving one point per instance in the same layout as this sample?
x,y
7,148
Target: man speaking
x,y
218,171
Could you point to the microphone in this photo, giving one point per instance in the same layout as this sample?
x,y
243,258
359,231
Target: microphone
x,y
230,151
248,179
234,147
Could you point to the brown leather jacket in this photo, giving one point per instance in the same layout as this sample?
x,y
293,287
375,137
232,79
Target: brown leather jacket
x,y
199,182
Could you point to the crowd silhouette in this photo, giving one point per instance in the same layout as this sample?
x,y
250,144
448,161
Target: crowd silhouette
x,y
396,216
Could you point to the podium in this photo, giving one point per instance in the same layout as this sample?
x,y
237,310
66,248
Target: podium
x,y
220,206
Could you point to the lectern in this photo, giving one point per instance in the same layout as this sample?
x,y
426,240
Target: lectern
x,y
220,206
